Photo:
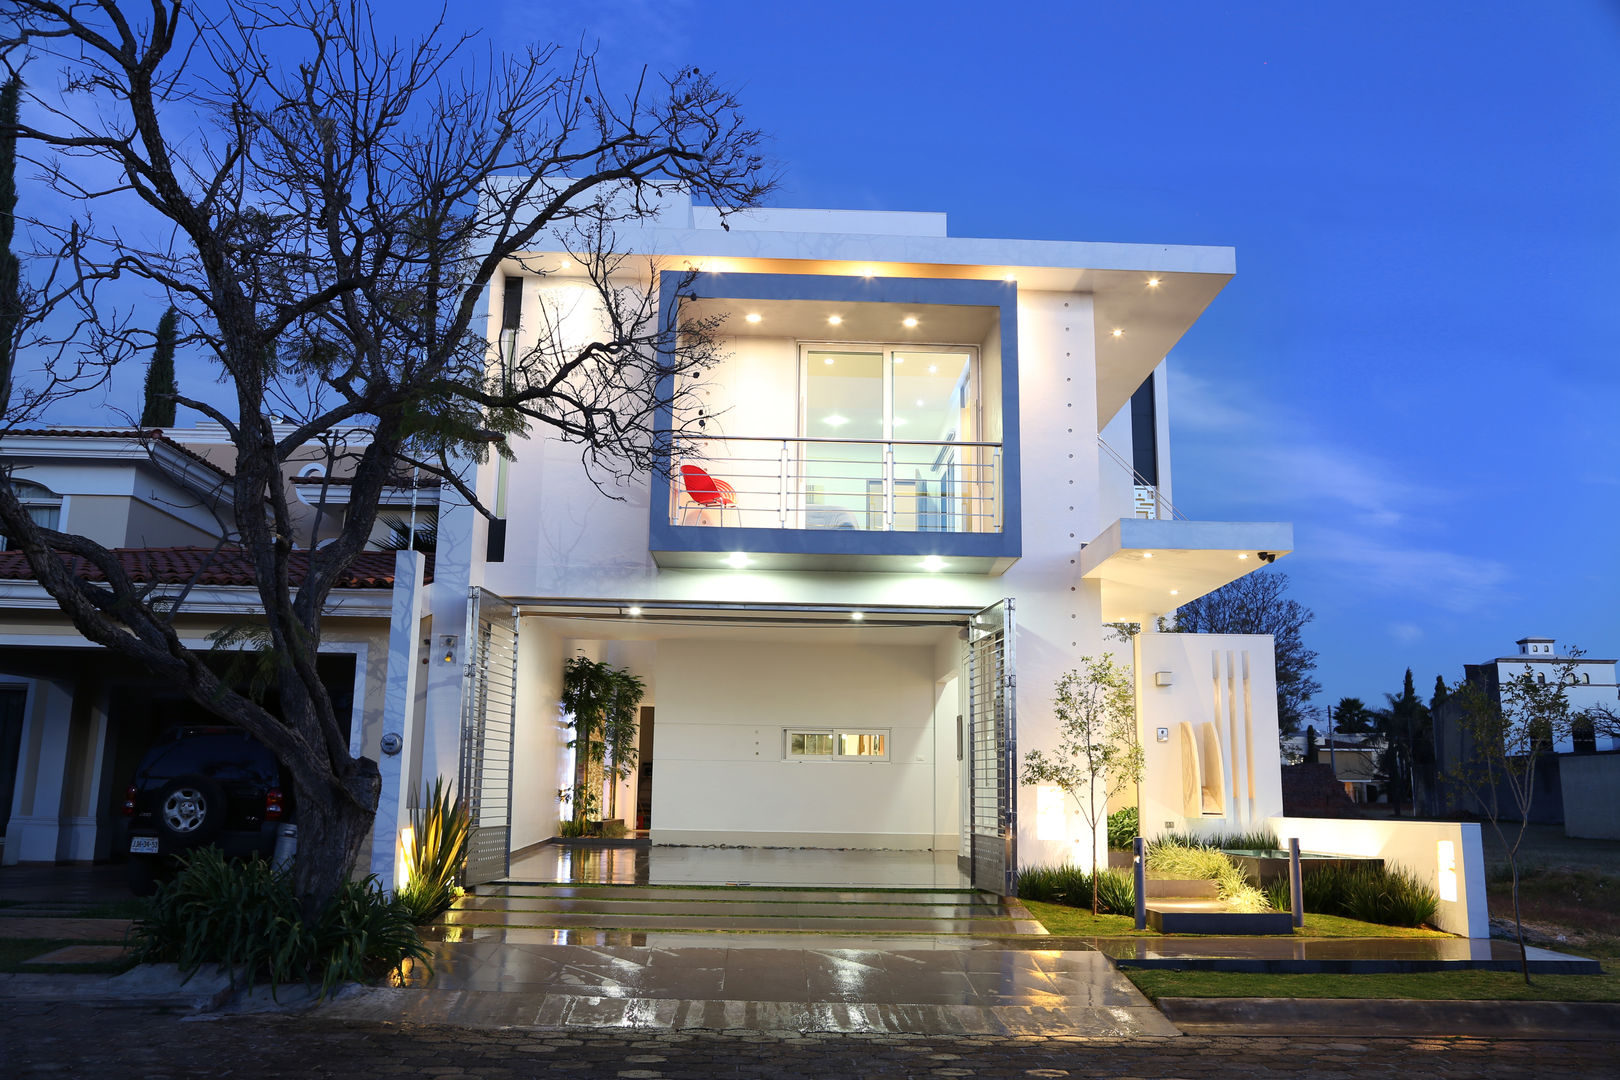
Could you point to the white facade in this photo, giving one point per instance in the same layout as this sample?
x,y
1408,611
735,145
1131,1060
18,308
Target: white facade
x,y
779,614
1590,682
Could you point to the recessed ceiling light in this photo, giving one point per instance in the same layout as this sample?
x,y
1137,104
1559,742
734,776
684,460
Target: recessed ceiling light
x,y
738,559
1153,283
1175,592
867,271
835,320
632,610
1118,332
828,360
933,562
563,265
835,420
857,615
921,403
1011,278
753,316
1243,555
933,369
1147,554
909,322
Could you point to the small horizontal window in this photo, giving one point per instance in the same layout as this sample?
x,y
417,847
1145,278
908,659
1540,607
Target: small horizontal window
x,y
835,744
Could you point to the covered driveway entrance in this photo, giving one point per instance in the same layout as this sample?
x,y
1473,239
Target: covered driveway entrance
x,y
839,745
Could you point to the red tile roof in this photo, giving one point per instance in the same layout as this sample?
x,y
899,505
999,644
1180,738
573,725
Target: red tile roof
x,y
178,565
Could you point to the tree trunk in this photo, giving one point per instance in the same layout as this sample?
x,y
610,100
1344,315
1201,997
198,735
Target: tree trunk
x,y
1518,923
331,837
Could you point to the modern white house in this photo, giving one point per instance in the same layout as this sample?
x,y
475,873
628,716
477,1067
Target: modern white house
x,y
934,472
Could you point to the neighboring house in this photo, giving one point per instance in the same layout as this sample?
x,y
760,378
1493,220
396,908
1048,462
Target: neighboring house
x,y
72,731
1575,786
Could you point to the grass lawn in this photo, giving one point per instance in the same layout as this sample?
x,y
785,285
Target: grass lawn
x,y
16,952
1431,985
1079,922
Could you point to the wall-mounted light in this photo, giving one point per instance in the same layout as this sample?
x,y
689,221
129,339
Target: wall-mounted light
x,y
1161,678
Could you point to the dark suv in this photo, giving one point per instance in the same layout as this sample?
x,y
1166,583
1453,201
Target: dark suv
x,y
203,785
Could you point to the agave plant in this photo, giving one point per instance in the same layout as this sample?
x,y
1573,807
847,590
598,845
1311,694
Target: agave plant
x,y
436,854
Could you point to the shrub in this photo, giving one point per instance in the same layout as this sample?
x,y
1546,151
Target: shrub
x,y
1389,896
1263,840
245,917
1123,827
1071,886
436,854
1177,857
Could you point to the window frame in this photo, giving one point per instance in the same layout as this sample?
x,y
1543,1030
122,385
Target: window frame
x,y
837,734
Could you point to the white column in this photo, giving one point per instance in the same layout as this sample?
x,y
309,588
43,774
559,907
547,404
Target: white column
x,y
399,715
36,818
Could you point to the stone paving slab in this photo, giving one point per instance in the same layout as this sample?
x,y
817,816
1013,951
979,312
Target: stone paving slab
x,y
66,1040
842,924
720,909
1365,1018
80,954
27,926
784,894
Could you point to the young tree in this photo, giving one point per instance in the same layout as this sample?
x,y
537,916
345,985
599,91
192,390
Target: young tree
x,y
340,201
158,394
1504,737
1098,755
10,282
1256,604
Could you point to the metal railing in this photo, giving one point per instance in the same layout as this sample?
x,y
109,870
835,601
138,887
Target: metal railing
x,y
1147,500
874,485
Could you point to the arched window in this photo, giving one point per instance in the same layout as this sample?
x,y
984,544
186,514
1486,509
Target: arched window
x,y
42,504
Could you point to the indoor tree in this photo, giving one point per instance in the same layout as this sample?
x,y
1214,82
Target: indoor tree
x,y
600,702
326,201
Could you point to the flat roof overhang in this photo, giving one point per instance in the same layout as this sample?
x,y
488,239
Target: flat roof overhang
x,y
1149,567
694,547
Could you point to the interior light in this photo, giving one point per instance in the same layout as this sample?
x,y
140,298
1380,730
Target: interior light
x,y
921,403
933,369
857,615
738,559
909,322
900,421
563,265
835,320
835,420
1153,283
1118,332
828,360
632,611
753,316
933,562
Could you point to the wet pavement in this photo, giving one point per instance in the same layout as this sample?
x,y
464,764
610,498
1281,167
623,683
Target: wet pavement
x,y
1338,955
662,864
39,1041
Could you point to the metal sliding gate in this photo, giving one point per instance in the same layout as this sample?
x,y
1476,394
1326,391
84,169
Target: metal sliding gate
x,y
489,709
992,751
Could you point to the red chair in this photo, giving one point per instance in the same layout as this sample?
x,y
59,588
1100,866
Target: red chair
x,y
706,492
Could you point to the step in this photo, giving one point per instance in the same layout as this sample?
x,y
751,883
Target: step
x,y
1212,917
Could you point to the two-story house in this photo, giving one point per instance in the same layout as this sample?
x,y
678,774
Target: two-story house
x,y
934,470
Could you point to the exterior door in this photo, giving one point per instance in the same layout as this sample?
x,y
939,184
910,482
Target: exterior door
x,y
992,751
488,715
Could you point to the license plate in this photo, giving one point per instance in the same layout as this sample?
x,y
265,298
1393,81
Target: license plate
x,y
143,845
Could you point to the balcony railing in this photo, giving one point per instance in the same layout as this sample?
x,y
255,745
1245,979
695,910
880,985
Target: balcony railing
x,y
864,484
1147,500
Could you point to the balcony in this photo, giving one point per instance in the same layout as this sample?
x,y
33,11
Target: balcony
x,y
866,485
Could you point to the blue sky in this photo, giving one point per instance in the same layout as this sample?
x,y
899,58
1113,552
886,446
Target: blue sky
x,y
1416,363
1417,360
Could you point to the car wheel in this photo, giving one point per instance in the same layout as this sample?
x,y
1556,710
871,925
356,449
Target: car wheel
x,y
190,810
142,875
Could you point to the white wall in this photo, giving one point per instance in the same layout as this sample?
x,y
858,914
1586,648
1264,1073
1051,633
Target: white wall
x,y
1223,679
720,768
1411,845
538,735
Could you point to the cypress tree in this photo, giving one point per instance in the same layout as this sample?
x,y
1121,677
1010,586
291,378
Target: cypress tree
x,y
10,277
157,407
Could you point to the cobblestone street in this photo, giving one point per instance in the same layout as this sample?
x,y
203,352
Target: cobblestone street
x,y
72,1041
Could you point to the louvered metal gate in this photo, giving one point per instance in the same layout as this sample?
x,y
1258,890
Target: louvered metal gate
x,y
992,747
488,714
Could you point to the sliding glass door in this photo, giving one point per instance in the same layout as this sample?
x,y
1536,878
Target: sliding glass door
x,y
882,429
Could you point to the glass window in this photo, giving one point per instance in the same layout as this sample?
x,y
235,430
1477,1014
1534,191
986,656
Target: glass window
x,y
863,744
43,506
810,744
